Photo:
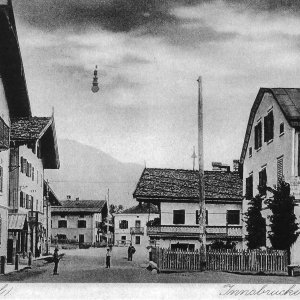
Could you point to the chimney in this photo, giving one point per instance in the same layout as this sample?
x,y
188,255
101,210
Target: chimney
x,y
216,166
236,165
68,197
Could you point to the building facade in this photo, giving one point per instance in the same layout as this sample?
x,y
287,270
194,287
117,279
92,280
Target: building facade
x,y
131,225
14,102
79,221
271,149
176,193
33,148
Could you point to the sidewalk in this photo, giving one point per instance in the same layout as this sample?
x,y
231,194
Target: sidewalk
x,y
23,263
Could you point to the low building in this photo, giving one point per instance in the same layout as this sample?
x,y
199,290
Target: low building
x,y
79,221
176,193
131,225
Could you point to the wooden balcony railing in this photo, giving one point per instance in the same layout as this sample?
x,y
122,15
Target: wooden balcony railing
x,y
194,229
136,230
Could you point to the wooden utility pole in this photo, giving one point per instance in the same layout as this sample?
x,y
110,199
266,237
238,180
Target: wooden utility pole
x,y
202,212
107,218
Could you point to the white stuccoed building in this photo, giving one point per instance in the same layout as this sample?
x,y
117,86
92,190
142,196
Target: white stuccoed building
x,y
271,149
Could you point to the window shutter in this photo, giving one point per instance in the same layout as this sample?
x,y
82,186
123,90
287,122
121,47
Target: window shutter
x,y
255,138
266,126
206,217
27,201
279,169
259,135
126,222
260,175
22,164
32,173
271,122
21,199
197,216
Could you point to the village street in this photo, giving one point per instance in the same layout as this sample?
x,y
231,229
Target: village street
x,y
88,266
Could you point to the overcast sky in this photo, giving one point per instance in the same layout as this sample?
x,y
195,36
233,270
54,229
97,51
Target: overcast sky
x,y
149,55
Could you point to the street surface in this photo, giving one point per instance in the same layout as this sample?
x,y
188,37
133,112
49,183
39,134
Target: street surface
x,y
88,266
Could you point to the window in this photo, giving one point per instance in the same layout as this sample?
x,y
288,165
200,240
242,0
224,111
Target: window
x,y
269,127
21,199
81,224
62,224
81,216
23,165
123,224
233,217
61,237
263,181
250,151
206,217
249,187
279,169
32,173
62,215
179,216
1,179
257,136
123,237
137,240
281,128
137,223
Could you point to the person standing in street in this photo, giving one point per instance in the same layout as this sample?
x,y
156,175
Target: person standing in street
x,y
131,250
56,260
108,256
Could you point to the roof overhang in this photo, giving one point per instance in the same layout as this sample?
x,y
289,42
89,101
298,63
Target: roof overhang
x,y
17,222
11,65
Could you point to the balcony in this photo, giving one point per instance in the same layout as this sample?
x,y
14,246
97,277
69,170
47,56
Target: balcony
x,y
35,217
136,230
192,231
173,230
224,231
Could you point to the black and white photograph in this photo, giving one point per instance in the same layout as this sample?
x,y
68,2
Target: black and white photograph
x,y
149,149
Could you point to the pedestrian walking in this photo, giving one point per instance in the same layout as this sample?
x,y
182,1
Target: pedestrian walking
x,y
108,256
56,260
131,250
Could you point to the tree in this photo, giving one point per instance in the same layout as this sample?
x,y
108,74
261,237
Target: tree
x,y
283,233
255,224
114,209
219,244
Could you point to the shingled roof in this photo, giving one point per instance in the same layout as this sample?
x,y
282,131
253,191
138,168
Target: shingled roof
x,y
184,184
29,128
144,208
288,100
79,206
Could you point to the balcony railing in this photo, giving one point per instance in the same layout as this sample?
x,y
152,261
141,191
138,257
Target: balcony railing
x,y
230,231
166,229
136,230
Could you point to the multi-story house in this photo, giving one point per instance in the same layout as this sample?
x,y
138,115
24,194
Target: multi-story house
x,y
81,221
131,225
14,102
176,193
271,149
33,148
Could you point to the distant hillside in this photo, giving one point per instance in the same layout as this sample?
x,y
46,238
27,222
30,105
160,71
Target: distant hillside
x,y
88,173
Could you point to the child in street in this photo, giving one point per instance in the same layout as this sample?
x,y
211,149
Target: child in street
x,y
108,256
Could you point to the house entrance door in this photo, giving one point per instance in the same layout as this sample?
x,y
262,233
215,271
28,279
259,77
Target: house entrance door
x,y
81,238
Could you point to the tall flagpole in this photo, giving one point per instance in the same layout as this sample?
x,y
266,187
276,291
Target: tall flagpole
x,y
202,212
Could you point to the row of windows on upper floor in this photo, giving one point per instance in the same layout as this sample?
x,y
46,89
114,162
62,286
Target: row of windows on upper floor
x,y
232,218
64,224
268,132
262,179
27,201
29,171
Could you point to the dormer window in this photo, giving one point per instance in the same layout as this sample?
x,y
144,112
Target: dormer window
x,y
250,151
269,127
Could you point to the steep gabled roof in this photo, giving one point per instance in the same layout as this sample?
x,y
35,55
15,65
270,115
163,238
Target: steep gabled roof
x,y
38,128
145,208
288,100
11,65
29,128
80,206
184,185
53,199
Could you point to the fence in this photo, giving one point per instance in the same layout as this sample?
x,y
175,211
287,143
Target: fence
x,y
269,261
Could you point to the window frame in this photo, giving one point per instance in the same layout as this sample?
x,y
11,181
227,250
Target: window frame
x,y
179,216
235,214
81,222
60,222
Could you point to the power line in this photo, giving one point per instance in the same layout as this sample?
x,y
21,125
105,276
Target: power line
x,y
75,181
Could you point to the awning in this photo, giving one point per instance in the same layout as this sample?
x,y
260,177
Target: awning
x,y
17,222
